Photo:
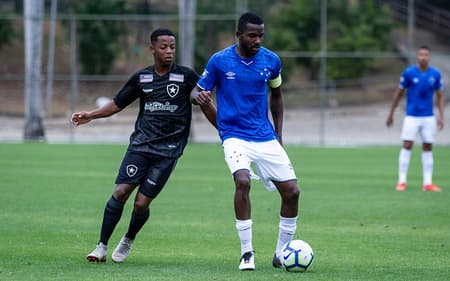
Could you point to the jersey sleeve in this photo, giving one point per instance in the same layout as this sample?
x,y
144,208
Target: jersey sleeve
x,y
403,83
128,93
208,79
192,79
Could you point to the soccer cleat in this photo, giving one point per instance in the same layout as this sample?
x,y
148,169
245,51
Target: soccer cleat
x,y
401,186
431,187
247,261
276,261
99,254
122,250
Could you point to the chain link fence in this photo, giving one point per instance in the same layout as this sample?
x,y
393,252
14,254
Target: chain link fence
x,y
345,112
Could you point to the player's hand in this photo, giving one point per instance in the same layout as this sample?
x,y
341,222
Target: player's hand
x,y
440,123
389,121
79,118
202,97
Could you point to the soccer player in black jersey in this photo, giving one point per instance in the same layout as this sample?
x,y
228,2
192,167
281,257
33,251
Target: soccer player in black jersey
x,y
160,135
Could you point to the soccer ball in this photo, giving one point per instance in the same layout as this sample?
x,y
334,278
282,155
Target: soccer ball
x,y
297,256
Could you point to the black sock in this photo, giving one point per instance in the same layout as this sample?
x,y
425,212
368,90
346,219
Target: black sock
x,y
111,216
136,223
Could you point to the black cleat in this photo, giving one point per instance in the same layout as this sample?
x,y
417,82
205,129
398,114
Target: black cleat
x,y
276,261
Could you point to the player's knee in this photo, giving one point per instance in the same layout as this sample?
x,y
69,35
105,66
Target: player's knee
x,y
120,195
427,146
292,194
243,185
242,182
140,207
408,145
122,192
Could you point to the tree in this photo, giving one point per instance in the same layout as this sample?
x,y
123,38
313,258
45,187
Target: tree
x,y
99,39
7,32
352,26
211,36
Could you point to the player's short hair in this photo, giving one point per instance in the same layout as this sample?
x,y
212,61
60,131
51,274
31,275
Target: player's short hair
x,y
248,17
424,47
160,32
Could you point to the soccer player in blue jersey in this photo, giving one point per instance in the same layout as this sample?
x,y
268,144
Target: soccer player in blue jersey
x,y
241,75
420,82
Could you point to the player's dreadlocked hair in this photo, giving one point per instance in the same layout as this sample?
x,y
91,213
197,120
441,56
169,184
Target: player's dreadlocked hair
x,y
248,17
160,32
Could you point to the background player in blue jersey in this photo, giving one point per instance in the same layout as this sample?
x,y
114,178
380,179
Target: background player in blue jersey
x,y
241,75
160,136
420,82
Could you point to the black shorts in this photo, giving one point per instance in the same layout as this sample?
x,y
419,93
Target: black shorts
x,y
149,171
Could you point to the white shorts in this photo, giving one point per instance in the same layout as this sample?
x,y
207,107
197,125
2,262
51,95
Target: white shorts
x,y
270,160
425,126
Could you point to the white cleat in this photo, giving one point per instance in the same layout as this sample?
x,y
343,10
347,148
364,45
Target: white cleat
x,y
122,250
247,261
99,254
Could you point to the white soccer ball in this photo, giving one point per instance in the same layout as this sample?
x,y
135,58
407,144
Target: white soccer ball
x,y
297,256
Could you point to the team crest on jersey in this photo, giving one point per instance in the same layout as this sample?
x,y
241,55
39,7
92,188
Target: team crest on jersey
x,y
176,77
172,90
145,78
131,170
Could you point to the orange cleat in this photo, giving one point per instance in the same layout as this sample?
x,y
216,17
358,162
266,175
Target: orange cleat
x,y
401,186
431,187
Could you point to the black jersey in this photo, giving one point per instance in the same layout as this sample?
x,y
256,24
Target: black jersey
x,y
164,119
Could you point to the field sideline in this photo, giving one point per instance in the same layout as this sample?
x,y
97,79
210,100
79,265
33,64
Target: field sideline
x,y
52,200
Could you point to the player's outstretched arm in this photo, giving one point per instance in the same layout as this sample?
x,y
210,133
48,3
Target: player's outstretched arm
x,y
83,117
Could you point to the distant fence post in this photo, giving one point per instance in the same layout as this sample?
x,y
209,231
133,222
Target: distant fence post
x,y
411,15
73,72
323,69
51,58
34,13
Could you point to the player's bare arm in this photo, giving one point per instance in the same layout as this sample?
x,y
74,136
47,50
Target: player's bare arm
x,y
200,96
397,96
210,111
83,117
203,99
440,104
276,108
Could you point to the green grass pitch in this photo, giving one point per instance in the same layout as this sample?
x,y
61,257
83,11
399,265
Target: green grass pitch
x,y
52,199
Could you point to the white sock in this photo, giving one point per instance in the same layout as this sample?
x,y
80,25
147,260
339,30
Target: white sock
x,y
244,228
403,164
287,229
427,167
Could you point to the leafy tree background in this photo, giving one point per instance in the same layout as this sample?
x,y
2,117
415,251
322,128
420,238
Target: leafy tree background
x,y
99,42
212,36
7,32
290,25
352,26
